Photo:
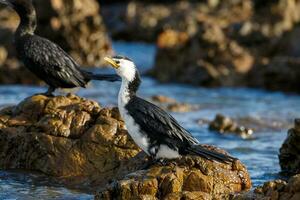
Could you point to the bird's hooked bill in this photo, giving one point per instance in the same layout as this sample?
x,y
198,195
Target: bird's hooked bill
x,y
112,62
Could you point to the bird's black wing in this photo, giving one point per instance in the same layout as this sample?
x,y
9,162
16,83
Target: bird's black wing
x,y
158,123
46,59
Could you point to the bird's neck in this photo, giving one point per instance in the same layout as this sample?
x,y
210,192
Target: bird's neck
x,y
128,90
27,24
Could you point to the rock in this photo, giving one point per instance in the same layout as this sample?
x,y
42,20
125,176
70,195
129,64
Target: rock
x,y
289,156
206,56
274,190
186,178
226,125
85,145
172,105
144,21
71,138
162,99
279,73
77,27
231,44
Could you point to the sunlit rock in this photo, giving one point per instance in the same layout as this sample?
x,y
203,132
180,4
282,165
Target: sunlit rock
x,y
274,190
226,125
85,145
186,178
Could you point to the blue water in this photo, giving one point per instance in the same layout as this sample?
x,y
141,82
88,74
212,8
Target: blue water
x,y
275,110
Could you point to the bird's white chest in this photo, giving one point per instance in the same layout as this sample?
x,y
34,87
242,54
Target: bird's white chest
x,y
133,129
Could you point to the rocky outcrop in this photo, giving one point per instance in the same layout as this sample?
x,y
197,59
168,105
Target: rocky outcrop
x,y
289,156
226,125
185,178
66,137
227,43
280,73
144,21
85,145
275,190
74,25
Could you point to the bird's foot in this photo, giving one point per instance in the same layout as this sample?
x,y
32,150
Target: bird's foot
x,y
166,162
148,164
158,161
49,92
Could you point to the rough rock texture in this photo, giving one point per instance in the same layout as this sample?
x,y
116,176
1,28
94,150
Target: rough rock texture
x,y
75,25
67,137
274,190
216,43
289,156
226,125
83,144
185,178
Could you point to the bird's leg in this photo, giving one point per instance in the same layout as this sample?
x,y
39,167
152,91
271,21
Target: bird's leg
x,y
165,162
151,161
49,92
162,162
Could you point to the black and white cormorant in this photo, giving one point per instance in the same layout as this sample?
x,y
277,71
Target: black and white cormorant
x,y
155,131
44,58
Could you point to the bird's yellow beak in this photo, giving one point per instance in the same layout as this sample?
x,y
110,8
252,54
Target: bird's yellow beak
x,y
112,62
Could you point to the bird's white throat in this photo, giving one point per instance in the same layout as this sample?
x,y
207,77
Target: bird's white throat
x,y
133,129
124,95
127,70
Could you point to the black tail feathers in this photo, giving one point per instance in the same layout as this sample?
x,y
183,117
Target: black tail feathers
x,y
105,77
211,154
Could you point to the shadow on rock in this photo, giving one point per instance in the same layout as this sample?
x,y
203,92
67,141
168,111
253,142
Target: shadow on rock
x,y
289,156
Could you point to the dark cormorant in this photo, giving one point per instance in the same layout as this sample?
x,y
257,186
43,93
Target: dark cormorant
x,y
44,58
155,131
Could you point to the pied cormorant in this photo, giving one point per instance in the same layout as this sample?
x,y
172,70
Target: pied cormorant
x,y
44,58
155,131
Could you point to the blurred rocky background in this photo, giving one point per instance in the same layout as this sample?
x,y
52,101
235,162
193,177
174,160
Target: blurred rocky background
x,y
209,43
216,43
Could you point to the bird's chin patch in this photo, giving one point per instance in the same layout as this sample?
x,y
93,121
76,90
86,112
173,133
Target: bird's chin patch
x,y
127,72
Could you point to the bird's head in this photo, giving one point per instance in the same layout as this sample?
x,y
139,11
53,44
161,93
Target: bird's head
x,y
22,7
124,67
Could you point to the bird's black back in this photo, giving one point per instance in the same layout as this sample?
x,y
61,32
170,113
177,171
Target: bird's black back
x,y
49,62
159,126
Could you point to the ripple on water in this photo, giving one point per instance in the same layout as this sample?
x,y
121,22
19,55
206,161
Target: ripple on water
x,y
259,153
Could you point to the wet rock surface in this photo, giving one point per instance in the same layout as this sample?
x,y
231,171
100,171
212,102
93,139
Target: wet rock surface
x,y
67,137
226,125
74,25
185,178
289,156
275,190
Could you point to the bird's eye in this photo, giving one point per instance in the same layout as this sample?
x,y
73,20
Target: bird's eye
x,y
118,62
